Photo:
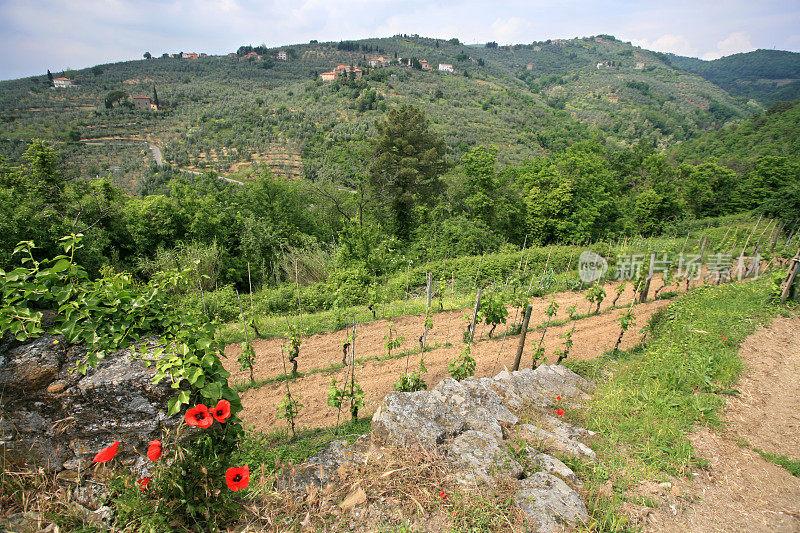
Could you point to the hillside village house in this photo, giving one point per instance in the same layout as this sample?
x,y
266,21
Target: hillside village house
x,y
282,56
252,55
144,103
189,55
329,76
446,67
59,83
350,70
639,65
424,63
377,62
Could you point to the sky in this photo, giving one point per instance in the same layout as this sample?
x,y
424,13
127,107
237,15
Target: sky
x,y
37,35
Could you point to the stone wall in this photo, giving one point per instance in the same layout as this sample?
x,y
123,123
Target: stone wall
x,y
53,417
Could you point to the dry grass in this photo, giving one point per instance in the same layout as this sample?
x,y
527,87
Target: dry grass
x,y
393,490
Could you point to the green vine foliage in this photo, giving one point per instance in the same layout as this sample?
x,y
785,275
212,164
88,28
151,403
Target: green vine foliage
x,y
352,394
493,310
411,382
462,366
114,312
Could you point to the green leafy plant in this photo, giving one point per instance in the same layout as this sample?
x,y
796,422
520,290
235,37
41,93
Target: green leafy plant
x,y
462,366
567,336
351,393
289,408
295,337
620,289
596,294
550,312
493,311
391,340
113,312
414,381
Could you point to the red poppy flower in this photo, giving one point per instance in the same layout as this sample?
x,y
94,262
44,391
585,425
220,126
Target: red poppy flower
x,y
237,477
443,495
106,454
558,398
144,483
222,411
154,450
199,416
560,412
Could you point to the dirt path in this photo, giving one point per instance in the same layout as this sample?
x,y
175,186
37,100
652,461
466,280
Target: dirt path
x,y
593,336
739,490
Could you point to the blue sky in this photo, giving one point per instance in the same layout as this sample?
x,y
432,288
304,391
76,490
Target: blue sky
x,y
56,34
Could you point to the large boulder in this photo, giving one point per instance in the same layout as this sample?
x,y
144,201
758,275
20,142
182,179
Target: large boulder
x,y
482,408
549,503
53,417
405,418
479,457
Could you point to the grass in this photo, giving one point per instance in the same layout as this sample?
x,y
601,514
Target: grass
x,y
650,397
271,450
792,465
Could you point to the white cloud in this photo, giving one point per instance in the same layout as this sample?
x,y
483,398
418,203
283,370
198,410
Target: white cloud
x,y
732,44
511,30
669,42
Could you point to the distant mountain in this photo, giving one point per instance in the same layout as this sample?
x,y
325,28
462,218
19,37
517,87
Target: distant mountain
x,y
259,107
764,75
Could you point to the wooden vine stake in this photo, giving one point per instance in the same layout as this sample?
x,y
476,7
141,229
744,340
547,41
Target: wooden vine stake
x,y
475,316
626,320
246,359
791,275
525,319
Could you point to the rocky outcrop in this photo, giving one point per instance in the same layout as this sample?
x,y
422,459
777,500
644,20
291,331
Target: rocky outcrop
x,y
472,425
549,502
54,417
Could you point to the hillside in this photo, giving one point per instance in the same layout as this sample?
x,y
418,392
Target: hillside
x,y
225,113
763,75
773,133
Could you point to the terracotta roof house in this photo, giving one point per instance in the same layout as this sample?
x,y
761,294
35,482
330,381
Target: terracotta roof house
x,y
59,83
141,102
329,76
189,55
425,65
282,55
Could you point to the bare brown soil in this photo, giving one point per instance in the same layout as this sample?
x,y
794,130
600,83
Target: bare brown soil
x,y
592,337
739,490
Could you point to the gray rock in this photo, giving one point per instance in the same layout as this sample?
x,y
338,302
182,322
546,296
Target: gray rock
x,y
551,465
555,442
405,418
548,502
54,417
482,408
479,457
320,469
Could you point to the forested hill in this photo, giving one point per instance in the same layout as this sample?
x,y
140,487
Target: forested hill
x,y
764,75
776,132
222,113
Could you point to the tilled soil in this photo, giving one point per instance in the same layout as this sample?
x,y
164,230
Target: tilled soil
x,y
592,336
740,490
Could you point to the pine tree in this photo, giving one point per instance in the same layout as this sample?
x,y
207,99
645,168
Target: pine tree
x,y
50,78
155,96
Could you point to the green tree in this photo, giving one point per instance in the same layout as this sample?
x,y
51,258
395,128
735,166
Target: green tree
x,y
406,166
147,55
113,97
